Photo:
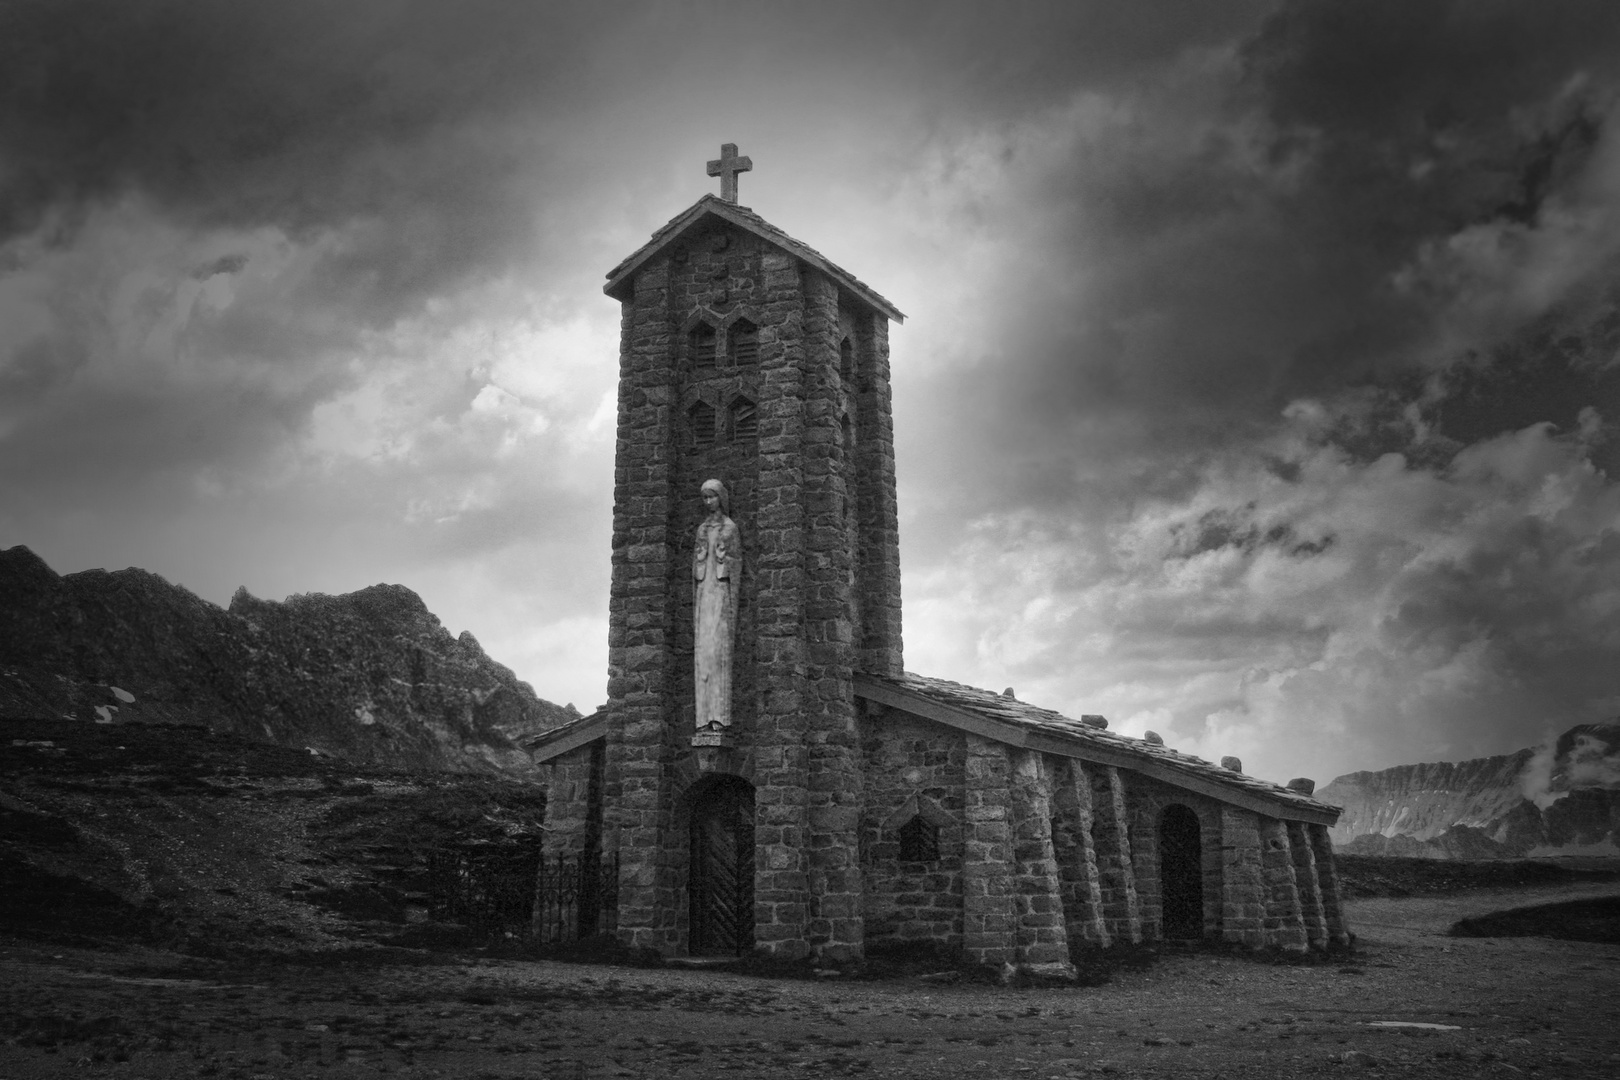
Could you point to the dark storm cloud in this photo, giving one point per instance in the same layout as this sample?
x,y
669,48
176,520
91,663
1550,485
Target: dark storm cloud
x,y
1258,231
221,208
1401,74
299,115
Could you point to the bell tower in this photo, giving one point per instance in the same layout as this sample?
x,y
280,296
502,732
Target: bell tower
x,y
746,356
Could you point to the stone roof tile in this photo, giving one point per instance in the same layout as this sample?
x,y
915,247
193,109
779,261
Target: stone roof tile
x,y
1001,709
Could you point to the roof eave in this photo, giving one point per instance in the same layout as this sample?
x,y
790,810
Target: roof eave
x,y
570,736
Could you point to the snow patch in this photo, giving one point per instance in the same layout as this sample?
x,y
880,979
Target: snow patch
x,y
122,695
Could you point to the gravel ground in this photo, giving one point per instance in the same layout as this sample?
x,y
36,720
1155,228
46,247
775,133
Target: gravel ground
x,y
1509,1007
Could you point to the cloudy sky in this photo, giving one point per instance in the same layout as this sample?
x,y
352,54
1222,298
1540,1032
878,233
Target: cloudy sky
x,y
1260,383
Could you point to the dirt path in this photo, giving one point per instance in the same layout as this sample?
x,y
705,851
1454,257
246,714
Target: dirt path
x,y
1520,1007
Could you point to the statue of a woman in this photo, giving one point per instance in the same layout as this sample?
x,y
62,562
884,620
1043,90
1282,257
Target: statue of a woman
x,y
717,568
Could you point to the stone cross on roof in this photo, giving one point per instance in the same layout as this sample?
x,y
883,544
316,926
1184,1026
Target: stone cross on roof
x,y
727,168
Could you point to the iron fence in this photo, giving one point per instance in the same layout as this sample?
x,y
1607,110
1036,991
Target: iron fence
x,y
487,887
576,896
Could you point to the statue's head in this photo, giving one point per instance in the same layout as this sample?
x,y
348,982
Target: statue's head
x,y
718,490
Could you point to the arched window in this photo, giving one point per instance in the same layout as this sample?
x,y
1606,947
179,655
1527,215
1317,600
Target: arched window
x,y
744,420
919,840
702,420
846,365
700,343
743,343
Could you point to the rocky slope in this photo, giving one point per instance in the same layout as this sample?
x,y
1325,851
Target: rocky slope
x,y
1558,799
215,844
371,677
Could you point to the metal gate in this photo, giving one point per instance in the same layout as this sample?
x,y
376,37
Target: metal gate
x,y
721,886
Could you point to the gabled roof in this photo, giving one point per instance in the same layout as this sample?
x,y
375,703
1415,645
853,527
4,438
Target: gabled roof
x,y
1017,723
621,276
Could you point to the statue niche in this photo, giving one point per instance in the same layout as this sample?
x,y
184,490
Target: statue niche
x,y
717,573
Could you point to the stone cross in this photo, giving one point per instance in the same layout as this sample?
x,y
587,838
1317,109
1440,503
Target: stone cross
x,y
727,168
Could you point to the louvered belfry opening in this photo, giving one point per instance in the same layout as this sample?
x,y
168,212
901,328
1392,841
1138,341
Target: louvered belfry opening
x,y
702,421
1181,876
721,884
744,420
701,344
743,339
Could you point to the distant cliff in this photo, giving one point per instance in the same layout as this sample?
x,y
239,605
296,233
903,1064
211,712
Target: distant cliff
x,y
371,676
1561,798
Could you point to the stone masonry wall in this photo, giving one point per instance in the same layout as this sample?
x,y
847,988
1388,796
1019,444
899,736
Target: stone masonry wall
x,y
640,615
878,571
1284,920
1327,876
834,929
1080,882
1116,869
573,783
780,748
1245,894
1040,938
904,758
1310,886
987,903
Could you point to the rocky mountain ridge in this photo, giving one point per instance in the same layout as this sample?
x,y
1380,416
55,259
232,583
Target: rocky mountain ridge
x,y
371,676
1562,798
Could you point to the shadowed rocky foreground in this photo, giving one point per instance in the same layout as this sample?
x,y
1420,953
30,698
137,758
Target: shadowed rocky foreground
x,y
1481,1007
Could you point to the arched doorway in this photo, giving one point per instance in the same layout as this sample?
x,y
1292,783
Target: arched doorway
x,y
721,884
1181,877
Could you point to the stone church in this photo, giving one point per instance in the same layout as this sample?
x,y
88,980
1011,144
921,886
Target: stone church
x,y
837,805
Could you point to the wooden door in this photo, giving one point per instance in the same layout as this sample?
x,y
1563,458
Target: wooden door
x,y
721,885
